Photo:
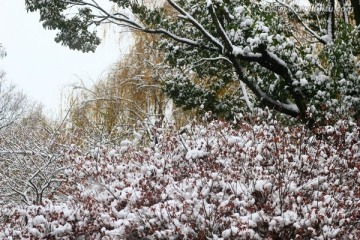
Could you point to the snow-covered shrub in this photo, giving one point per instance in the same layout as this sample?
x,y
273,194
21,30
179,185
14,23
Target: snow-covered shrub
x,y
213,181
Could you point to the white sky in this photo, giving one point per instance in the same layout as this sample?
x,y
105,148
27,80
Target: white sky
x,y
38,65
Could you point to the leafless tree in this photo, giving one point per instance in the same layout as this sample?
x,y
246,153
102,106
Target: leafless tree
x,y
2,51
13,103
29,153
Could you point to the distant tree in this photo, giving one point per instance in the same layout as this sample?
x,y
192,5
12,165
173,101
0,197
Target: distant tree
x,y
13,102
129,99
30,150
2,51
241,43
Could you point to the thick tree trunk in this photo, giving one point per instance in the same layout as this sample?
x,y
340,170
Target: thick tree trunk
x,y
355,4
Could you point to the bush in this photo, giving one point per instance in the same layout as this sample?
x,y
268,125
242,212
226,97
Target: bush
x,y
212,181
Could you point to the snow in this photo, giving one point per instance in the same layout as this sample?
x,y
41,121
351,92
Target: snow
x,y
238,50
239,10
62,229
238,178
112,153
246,23
195,154
40,219
125,142
234,139
259,185
303,82
34,232
277,59
329,129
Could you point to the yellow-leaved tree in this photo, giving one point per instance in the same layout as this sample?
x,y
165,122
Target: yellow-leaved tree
x,y
130,99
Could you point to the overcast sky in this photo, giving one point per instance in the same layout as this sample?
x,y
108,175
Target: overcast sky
x,y
41,67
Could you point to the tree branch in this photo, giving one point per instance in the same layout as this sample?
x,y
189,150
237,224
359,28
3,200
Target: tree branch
x,y
196,24
289,109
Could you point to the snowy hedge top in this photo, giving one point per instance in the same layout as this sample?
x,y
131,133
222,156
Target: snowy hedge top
x,y
256,181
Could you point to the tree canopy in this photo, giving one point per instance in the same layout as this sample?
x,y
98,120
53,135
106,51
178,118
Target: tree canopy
x,y
300,62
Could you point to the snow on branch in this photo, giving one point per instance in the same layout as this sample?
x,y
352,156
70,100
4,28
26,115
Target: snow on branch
x,y
254,181
196,24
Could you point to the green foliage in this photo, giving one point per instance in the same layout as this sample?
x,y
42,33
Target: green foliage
x,y
76,35
303,64
74,31
123,3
